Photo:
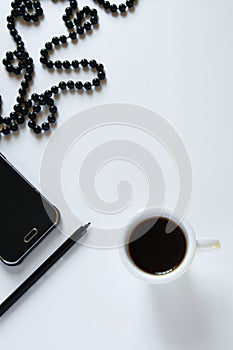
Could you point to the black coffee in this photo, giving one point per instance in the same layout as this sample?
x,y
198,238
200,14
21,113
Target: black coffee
x,y
154,250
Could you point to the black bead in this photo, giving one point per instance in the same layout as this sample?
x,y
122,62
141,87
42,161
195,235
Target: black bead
x,y
36,4
20,47
37,129
5,130
49,46
28,103
25,55
20,11
87,26
96,82
10,19
28,4
17,108
45,126
7,120
77,21
75,63
106,5
55,40
20,119
66,64
73,4
1,120
15,13
86,10
69,24
50,102
20,100
34,17
25,84
32,115
41,100
79,14
101,75
22,92
13,32
44,52
10,26
93,63
65,18
58,64
35,97
93,12
49,64
84,62
69,11
18,54
17,70
100,67
29,61
43,60
80,30
73,35
70,84
9,68
113,8
39,11
24,111
51,118
13,115
53,109
79,85
63,39
62,85
87,85
27,17
36,108
14,127
22,64
122,7
47,93
9,55
31,124
17,38
94,20
129,3
28,76
54,89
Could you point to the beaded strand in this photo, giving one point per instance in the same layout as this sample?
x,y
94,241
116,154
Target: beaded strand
x,y
76,23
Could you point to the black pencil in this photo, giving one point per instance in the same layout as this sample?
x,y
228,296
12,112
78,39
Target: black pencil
x,y
41,270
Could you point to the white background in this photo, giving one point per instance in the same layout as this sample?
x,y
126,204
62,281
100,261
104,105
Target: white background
x,y
174,57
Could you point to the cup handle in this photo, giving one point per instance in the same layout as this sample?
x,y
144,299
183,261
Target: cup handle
x,y
204,245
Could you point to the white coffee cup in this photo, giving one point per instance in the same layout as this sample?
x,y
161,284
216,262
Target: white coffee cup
x,y
193,246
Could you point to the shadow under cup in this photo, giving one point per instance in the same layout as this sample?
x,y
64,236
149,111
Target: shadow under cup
x,y
153,249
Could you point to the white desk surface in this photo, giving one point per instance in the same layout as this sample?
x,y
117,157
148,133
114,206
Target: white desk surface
x,y
176,58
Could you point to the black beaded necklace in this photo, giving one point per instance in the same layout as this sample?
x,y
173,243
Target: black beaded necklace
x,y
74,19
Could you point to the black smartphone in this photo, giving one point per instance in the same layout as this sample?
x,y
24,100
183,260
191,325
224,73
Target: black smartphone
x,y
25,215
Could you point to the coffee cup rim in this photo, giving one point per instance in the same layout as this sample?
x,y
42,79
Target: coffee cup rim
x,y
190,240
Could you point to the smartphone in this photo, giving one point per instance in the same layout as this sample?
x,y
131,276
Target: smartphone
x,y
26,217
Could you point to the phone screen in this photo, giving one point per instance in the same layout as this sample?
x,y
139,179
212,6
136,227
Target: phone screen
x,y
26,216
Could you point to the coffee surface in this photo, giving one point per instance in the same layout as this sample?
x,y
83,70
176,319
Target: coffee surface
x,y
154,250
